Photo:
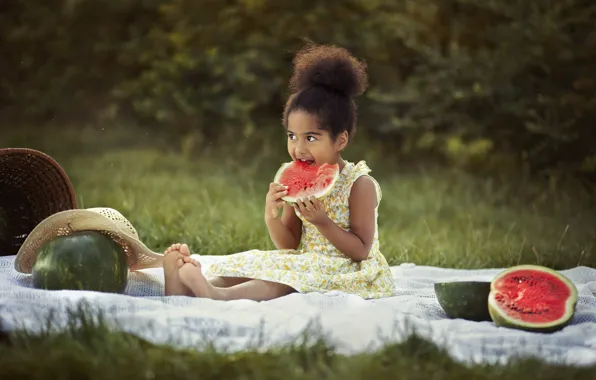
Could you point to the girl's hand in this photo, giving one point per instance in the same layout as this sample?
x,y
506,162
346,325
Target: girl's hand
x,y
273,201
312,210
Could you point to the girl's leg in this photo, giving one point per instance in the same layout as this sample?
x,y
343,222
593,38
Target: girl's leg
x,y
257,290
226,282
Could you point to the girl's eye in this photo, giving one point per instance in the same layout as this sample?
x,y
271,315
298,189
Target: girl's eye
x,y
308,138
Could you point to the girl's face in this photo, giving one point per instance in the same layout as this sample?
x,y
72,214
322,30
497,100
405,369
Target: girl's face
x,y
306,142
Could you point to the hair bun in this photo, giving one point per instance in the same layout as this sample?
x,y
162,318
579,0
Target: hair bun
x,y
331,67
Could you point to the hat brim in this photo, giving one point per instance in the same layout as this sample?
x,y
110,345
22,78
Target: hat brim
x,y
139,256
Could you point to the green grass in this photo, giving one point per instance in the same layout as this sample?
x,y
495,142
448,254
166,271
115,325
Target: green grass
x,y
213,202
89,349
439,218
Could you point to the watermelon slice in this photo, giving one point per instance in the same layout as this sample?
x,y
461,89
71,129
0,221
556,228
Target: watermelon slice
x,y
532,298
305,180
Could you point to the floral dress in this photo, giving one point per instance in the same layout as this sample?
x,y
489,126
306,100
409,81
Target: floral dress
x,y
317,266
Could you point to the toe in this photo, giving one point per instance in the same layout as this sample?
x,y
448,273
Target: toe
x,y
185,250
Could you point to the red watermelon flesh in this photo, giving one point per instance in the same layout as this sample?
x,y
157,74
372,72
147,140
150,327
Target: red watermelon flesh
x,y
305,180
533,298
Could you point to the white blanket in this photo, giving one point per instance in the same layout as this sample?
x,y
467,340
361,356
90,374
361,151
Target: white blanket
x,y
350,323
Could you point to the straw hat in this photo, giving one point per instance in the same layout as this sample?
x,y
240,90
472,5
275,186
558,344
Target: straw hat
x,y
33,186
102,219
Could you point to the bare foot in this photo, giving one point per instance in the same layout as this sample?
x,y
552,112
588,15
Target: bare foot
x,y
173,260
177,247
192,278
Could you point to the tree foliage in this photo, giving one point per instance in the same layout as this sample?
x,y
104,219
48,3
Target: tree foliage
x,y
466,79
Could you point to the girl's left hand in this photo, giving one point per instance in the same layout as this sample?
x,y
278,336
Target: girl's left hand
x,y
312,210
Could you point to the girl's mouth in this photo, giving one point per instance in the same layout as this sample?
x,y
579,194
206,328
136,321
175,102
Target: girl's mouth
x,y
308,162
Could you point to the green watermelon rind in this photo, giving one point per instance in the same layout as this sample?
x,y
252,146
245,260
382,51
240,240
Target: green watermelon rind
x,y
44,274
464,299
502,320
323,193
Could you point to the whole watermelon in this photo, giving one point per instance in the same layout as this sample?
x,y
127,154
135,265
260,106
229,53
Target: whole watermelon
x,y
86,260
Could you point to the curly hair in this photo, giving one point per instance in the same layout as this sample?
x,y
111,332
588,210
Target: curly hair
x,y
325,80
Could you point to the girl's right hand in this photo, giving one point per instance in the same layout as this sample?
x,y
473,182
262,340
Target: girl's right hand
x,y
273,201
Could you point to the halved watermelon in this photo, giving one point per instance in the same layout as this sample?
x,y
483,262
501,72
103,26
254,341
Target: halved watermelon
x,y
305,180
532,298
464,299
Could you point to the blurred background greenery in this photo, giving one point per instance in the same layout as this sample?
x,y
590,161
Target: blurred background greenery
x,y
490,85
478,123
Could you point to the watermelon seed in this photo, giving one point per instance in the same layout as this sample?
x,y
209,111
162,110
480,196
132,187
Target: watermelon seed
x,y
519,279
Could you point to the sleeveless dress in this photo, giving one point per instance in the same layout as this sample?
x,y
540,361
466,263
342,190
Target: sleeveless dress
x,y
317,266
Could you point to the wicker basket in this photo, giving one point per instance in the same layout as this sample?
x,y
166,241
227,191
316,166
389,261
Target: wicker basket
x,y
33,186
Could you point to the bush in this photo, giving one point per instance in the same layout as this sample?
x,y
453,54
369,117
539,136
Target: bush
x,y
475,81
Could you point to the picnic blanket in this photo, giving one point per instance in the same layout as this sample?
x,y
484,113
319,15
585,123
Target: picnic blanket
x,y
350,323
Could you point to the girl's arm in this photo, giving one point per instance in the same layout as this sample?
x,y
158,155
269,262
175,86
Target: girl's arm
x,y
357,242
285,232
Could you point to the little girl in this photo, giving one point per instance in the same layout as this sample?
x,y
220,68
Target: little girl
x,y
338,234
